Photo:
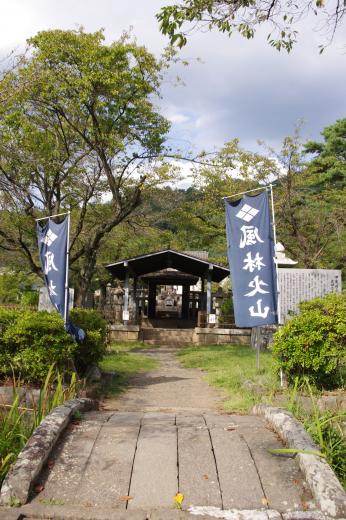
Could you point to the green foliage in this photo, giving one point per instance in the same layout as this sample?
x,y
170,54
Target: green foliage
x,y
327,430
313,343
227,311
77,120
325,427
54,393
31,343
233,369
329,164
17,425
14,432
13,285
244,17
9,288
7,317
92,349
29,299
309,202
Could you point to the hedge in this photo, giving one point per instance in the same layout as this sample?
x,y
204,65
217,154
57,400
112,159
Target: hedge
x,y
313,343
31,341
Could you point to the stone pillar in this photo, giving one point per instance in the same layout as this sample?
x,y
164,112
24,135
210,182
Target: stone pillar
x,y
152,300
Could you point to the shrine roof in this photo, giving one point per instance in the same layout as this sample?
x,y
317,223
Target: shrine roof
x,y
168,258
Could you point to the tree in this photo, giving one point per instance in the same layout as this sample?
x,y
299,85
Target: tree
x,y
310,213
78,126
329,157
309,210
200,219
244,17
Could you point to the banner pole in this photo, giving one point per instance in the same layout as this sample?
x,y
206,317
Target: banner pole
x,y
275,259
244,192
52,216
66,273
282,378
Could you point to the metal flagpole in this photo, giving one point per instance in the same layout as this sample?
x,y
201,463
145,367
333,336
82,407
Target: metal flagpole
x,y
53,216
275,259
244,192
66,273
277,274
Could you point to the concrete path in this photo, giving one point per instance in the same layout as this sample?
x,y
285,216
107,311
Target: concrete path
x,y
166,435
169,388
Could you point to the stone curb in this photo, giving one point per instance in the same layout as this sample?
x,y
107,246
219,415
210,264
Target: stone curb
x,y
326,488
17,484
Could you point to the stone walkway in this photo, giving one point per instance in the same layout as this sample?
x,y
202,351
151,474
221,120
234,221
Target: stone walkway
x,y
166,435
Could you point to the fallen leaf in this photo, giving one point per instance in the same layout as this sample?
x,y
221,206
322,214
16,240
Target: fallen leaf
x,y
125,498
265,502
205,477
231,427
296,482
38,488
50,464
178,500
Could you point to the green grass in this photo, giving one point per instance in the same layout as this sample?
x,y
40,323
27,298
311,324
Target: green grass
x,y
327,427
127,346
233,368
123,364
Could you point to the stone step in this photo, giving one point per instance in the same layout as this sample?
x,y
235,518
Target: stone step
x,y
166,343
62,512
168,337
54,512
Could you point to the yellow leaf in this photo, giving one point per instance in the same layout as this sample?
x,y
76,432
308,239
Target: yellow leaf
x,y
178,499
265,502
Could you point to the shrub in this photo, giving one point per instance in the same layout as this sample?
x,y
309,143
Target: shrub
x,y
227,311
312,343
7,317
33,342
29,299
92,349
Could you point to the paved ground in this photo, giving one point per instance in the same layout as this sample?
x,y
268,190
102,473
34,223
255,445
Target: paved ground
x,y
166,435
170,388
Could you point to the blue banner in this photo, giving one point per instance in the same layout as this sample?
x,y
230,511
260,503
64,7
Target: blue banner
x,y
52,243
251,254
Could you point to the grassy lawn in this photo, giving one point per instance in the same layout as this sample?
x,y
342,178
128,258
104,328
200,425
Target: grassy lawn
x,y
233,368
124,364
126,346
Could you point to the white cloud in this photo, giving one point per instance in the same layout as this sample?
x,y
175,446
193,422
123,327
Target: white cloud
x,y
178,118
242,89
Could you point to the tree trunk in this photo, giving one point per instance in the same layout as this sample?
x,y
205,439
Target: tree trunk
x,y
84,278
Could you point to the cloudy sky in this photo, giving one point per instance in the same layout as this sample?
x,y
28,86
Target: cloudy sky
x,y
232,87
